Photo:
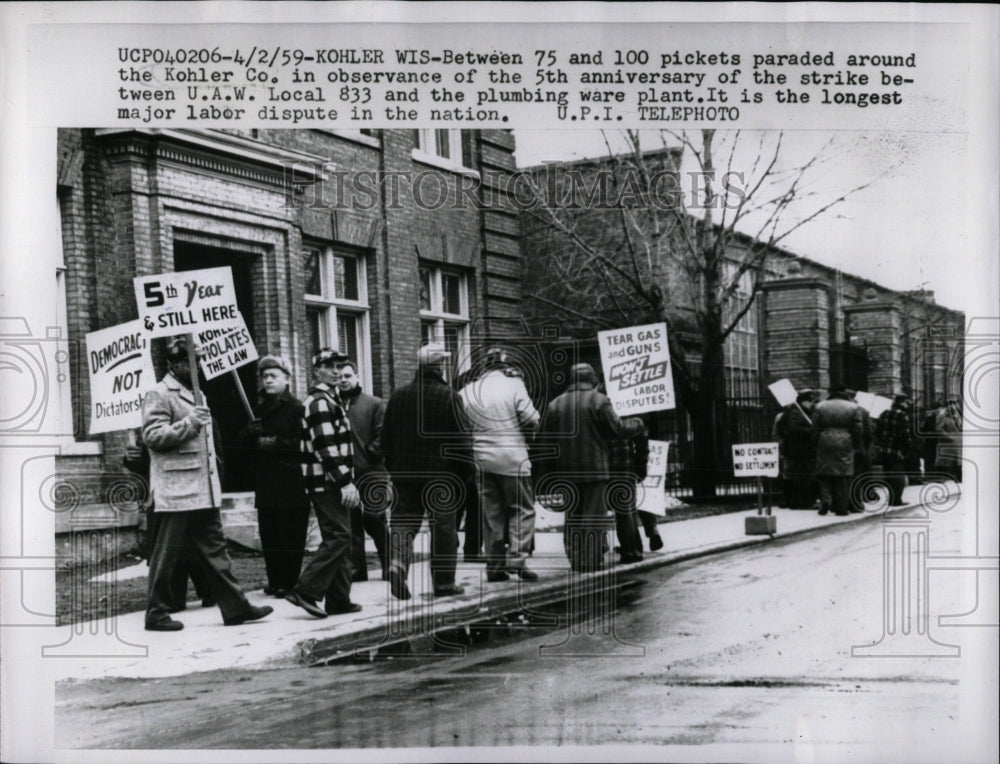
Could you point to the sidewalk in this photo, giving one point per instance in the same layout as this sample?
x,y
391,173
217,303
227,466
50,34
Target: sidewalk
x,y
120,647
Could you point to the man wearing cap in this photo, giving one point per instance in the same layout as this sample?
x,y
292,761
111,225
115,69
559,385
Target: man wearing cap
x,y
837,427
280,495
327,466
185,489
427,450
576,428
503,419
894,433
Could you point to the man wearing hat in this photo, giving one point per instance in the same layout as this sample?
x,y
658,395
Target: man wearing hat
x,y
329,477
185,489
425,440
577,427
280,495
894,434
838,429
794,432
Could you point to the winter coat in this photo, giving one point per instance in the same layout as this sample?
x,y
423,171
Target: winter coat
x,y
183,472
575,431
502,418
839,430
425,431
366,414
278,480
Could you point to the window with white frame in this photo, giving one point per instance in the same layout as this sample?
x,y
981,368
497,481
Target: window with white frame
x,y
336,298
741,348
444,310
446,148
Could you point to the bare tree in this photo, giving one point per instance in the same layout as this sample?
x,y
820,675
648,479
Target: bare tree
x,y
627,239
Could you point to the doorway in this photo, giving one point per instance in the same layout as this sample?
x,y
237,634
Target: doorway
x,y
221,393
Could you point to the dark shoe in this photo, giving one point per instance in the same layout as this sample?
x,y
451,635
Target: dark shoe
x,y
280,593
208,601
823,510
656,543
397,585
255,613
628,559
305,603
167,624
451,590
525,574
351,607
856,511
271,591
496,577
840,514
359,575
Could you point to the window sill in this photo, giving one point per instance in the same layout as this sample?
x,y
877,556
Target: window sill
x,y
354,136
443,164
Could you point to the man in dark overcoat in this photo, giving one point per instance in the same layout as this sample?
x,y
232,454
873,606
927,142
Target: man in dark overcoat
x,y
280,495
576,429
428,451
838,429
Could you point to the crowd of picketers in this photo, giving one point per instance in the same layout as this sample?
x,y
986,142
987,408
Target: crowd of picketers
x,y
470,453
828,447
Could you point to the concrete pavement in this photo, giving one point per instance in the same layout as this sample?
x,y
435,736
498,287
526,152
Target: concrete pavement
x,y
120,647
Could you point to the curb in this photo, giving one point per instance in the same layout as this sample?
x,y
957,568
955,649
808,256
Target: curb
x,y
526,597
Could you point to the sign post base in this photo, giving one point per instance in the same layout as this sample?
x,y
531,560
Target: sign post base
x,y
761,525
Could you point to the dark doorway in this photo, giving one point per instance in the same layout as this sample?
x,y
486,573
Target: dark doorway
x,y
221,393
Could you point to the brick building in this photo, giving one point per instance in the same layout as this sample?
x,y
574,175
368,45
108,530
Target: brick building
x,y
807,322
370,241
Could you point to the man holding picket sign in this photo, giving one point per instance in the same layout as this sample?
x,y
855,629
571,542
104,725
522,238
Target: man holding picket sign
x,y
184,484
176,425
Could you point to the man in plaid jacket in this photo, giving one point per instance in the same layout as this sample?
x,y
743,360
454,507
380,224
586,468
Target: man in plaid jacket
x,y
327,465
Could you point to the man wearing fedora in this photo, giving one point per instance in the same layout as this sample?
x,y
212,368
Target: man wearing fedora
x,y
185,488
329,476
279,490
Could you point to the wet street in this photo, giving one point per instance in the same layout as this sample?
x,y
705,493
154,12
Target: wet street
x,y
749,648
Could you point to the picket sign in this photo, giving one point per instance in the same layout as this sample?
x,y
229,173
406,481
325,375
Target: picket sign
x,y
186,302
650,496
223,349
880,406
121,370
636,364
758,460
784,392
865,400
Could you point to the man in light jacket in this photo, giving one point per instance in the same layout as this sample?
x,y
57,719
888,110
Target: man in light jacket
x,y
503,419
838,427
185,489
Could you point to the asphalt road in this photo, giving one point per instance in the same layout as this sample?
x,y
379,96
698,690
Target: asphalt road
x,y
747,654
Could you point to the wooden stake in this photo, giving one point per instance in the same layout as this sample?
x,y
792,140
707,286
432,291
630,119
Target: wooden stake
x,y
242,392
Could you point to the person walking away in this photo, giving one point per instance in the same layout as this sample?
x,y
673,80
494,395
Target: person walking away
x,y
948,426
837,423
576,427
279,490
894,436
929,437
186,491
503,420
428,452
627,464
365,413
327,470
